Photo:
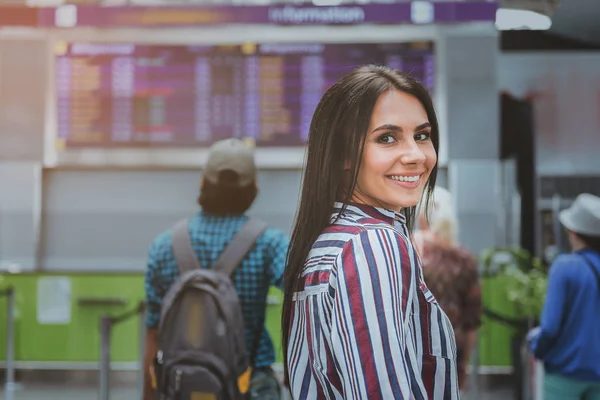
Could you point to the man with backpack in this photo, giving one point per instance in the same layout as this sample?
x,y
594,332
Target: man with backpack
x,y
206,285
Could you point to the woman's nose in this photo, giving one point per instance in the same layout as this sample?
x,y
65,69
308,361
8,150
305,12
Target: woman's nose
x,y
412,154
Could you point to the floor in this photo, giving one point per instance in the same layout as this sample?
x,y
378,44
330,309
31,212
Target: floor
x,y
500,390
54,393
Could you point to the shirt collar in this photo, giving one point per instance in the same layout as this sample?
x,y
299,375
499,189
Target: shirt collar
x,y
203,214
385,215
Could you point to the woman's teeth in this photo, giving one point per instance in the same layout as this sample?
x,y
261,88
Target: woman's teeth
x,y
402,178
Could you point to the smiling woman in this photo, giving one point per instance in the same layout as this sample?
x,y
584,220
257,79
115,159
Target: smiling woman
x,y
358,320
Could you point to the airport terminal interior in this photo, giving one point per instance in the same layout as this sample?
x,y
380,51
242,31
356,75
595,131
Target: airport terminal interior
x,y
108,109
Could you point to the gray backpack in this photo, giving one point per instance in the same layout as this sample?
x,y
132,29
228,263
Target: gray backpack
x,y
202,344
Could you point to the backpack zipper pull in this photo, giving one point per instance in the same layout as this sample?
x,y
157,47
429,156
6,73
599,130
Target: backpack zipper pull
x,y
178,374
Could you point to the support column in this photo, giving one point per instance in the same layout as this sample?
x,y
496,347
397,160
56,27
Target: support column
x,y
20,215
472,140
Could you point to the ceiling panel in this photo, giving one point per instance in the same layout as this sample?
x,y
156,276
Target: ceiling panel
x,y
578,19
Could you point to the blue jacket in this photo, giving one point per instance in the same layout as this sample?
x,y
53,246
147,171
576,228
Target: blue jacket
x,y
569,338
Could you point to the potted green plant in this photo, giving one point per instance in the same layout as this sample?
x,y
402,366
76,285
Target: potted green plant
x,y
526,278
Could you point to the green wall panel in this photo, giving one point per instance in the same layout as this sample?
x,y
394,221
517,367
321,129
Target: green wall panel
x,y
494,345
79,340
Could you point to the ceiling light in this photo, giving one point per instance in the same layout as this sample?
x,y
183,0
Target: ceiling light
x,y
510,19
327,2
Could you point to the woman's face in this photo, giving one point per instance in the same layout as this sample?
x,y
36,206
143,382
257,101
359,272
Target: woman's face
x,y
398,156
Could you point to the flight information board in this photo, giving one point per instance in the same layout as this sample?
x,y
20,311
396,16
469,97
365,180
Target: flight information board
x,y
127,95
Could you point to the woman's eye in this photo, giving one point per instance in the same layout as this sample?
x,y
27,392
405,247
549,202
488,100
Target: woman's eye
x,y
386,138
422,136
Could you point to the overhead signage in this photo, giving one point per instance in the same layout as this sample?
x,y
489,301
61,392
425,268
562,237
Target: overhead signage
x,y
411,12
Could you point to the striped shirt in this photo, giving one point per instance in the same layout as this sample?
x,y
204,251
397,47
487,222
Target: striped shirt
x,y
365,326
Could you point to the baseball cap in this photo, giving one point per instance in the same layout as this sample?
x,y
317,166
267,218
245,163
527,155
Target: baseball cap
x,y
233,155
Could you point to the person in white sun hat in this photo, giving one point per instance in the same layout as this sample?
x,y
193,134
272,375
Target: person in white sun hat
x,y
568,340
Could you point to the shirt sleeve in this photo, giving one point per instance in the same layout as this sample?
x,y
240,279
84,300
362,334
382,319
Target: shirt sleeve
x,y
277,254
153,289
369,317
554,309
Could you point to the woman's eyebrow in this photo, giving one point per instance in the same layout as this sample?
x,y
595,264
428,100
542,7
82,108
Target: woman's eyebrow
x,y
396,128
388,127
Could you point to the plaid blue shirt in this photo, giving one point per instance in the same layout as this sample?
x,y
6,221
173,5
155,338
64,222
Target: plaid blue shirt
x,y
210,234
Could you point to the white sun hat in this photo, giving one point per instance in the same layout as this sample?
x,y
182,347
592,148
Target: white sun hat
x,y
583,216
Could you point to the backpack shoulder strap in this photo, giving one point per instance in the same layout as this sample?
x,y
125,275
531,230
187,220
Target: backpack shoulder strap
x,y
241,244
594,270
182,248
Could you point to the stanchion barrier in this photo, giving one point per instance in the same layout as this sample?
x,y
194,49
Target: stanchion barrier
x,y
142,350
105,328
9,388
538,380
106,324
474,380
534,388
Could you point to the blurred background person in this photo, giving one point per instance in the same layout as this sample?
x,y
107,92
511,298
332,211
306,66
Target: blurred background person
x,y
451,273
568,340
228,189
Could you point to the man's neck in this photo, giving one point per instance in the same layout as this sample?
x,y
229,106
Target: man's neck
x,y
578,245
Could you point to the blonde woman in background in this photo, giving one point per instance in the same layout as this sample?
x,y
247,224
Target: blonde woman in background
x,y
451,274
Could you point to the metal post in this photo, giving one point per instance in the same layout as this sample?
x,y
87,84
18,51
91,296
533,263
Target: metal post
x,y
526,362
105,323
474,388
141,372
10,348
557,227
539,380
